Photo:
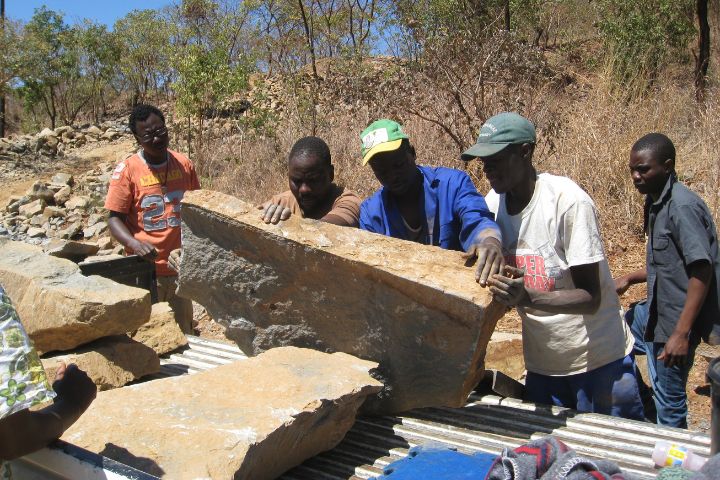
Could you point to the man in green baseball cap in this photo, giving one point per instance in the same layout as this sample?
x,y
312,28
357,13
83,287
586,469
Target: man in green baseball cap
x,y
577,346
498,132
433,206
381,136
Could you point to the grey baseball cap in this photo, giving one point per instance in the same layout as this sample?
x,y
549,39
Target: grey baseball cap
x,y
499,131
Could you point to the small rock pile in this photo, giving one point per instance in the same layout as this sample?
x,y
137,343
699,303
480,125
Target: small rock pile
x,y
109,330
57,142
60,212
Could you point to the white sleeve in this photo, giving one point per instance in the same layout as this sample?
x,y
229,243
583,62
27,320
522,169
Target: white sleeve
x,y
580,233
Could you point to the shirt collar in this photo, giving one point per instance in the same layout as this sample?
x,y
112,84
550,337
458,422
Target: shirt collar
x,y
664,195
666,189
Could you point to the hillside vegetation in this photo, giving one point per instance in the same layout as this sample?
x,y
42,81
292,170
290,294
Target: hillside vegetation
x,y
241,81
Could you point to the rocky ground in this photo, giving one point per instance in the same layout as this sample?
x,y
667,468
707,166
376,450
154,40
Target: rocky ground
x,y
54,184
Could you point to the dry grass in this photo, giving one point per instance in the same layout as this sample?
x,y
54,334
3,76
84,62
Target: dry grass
x,y
585,134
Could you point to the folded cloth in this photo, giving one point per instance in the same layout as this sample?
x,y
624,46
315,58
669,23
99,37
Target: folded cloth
x,y
550,459
674,473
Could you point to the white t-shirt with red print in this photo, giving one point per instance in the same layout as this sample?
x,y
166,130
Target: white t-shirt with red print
x,y
557,230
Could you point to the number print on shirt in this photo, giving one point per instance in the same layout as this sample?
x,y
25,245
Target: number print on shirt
x,y
154,211
174,198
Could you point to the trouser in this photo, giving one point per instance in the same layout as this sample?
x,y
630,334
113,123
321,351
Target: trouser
x,y
181,307
611,390
668,383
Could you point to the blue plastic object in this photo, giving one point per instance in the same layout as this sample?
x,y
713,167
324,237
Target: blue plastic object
x,y
438,462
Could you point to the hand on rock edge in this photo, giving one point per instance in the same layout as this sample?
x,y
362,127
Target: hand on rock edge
x,y
175,260
274,213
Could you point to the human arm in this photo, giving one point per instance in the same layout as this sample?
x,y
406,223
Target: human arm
x,y
626,281
490,259
345,211
510,290
335,220
480,235
27,431
118,229
692,232
370,217
677,346
576,238
118,203
194,181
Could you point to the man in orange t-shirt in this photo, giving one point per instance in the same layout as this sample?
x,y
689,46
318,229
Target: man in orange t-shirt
x,y
312,192
144,203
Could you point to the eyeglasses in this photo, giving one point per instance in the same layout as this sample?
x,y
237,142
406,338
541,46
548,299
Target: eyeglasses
x,y
159,133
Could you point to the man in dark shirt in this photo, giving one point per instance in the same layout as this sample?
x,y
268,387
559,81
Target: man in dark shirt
x,y
682,271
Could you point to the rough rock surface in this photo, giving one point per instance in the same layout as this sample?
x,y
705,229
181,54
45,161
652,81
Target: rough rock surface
x,y
252,419
60,307
70,249
505,353
161,332
110,362
414,309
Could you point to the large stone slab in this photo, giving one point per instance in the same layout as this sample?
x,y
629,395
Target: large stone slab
x,y
61,308
110,362
414,309
161,332
253,419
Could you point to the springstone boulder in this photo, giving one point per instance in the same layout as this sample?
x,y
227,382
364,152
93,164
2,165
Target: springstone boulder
x,y
110,362
414,309
252,419
505,353
59,306
161,333
35,207
70,249
63,195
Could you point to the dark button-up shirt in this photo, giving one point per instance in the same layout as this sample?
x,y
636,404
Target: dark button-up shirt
x,y
680,232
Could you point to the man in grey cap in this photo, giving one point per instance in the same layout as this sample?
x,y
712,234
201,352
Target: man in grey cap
x,y
576,345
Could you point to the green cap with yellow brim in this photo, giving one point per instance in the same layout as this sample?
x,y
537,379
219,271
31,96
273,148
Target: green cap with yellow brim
x,y
499,131
381,136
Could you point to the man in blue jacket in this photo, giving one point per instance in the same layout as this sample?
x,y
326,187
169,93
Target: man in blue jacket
x,y
433,206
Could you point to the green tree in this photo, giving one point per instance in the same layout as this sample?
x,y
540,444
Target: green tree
x,y
205,79
643,35
100,56
11,60
51,75
208,60
143,38
45,60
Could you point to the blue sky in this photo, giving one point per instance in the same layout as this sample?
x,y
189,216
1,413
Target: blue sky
x,y
102,11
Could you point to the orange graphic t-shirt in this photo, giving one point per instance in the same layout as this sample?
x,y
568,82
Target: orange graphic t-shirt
x,y
150,197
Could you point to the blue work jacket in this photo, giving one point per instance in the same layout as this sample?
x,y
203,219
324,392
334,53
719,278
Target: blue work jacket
x,y
454,210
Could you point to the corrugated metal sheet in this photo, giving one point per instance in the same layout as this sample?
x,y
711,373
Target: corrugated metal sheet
x,y
487,423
